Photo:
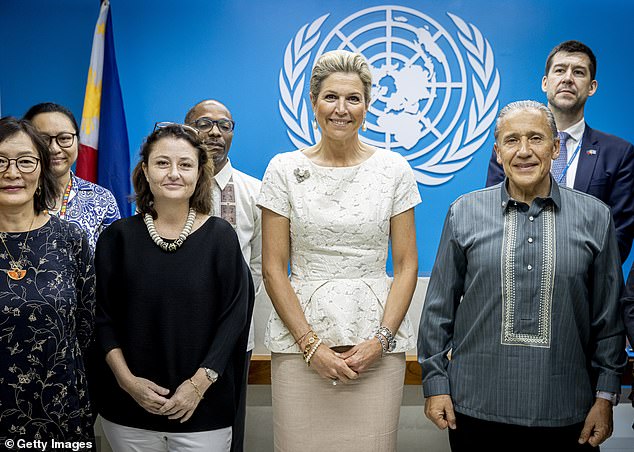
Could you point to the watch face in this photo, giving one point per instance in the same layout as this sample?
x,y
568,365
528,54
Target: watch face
x,y
211,375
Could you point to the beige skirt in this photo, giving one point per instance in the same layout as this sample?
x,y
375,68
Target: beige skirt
x,y
312,415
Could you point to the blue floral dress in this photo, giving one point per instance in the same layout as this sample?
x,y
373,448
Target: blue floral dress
x,y
91,207
46,325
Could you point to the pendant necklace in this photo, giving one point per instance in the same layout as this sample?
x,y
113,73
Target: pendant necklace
x,y
176,244
17,272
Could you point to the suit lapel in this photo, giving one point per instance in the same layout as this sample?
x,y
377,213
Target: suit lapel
x,y
588,156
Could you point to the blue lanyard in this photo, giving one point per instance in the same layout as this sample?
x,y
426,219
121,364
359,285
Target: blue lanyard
x,y
565,170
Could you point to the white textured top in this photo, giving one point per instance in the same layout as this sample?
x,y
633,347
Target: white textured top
x,y
340,226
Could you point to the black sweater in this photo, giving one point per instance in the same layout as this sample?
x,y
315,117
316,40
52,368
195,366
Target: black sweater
x,y
171,313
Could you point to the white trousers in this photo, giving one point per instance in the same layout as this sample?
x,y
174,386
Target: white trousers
x,y
129,439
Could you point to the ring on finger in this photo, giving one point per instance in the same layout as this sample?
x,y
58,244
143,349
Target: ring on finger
x,y
335,381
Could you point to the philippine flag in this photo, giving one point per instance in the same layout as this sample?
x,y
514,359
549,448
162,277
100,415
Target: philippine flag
x,y
104,152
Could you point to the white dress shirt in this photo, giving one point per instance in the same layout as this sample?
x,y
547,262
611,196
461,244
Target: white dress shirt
x,y
576,134
248,222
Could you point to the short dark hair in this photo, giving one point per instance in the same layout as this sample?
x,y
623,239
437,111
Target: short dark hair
x,y
48,190
50,107
201,198
573,47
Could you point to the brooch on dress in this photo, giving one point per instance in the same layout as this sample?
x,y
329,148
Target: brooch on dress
x,y
301,174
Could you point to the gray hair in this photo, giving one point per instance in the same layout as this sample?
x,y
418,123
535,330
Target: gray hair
x,y
341,61
521,105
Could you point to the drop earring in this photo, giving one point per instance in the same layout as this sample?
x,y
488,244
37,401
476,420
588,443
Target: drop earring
x,y
364,127
315,124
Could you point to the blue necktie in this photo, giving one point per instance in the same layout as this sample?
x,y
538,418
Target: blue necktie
x,y
560,163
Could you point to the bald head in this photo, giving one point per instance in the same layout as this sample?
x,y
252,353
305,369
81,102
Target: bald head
x,y
217,139
202,106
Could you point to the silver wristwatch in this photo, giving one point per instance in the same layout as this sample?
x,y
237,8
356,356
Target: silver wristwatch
x,y
212,375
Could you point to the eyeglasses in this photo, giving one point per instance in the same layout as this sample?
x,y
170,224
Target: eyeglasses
x,y
206,125
63,140
184,127
25,165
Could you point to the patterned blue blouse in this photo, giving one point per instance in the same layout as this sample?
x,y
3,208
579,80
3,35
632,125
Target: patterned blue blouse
x,y
91,207
46,325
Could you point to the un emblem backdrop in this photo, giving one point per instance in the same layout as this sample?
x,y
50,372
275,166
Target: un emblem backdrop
x,y
442,70
434,92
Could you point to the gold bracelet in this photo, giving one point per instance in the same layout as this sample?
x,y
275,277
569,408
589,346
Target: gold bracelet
x,y
196,388
309,345
310,354
299,341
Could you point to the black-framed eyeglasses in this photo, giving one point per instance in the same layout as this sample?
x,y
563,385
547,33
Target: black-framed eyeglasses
x,y
164,124
63,140
206,125
25,165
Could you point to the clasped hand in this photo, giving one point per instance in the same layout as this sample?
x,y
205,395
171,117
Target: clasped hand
x,y
153,398
348,365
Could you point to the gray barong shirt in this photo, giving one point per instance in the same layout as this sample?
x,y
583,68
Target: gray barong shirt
x,y
526,299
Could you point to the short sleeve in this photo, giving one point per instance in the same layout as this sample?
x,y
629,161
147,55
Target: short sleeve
x,y
406,193
274,191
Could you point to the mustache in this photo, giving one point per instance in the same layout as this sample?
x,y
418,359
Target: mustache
x,y
215,142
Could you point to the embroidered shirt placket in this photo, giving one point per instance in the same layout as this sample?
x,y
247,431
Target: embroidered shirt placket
x,y
509,289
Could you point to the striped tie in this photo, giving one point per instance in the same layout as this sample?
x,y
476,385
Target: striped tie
x,y
560,163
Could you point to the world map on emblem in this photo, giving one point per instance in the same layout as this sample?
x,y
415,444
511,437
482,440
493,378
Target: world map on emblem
x,y
433,96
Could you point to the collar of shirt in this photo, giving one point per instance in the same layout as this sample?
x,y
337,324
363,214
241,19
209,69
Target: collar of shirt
x,y
224,175
74,187
554,197
576,133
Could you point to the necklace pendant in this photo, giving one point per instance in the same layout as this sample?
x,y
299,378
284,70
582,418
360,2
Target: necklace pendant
x,y
16,274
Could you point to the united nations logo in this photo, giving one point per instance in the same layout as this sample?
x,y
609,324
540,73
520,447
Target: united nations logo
x,y
427,103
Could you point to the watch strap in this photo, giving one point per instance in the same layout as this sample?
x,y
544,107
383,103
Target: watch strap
x,y
612,397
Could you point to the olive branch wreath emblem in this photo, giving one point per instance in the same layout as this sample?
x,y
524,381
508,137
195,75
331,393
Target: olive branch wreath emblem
x,y
454,153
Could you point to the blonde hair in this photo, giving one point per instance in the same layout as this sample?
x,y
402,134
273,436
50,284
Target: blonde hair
x,y
341,61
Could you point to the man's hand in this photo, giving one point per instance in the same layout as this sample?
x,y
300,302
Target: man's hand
x,y
598,425
439,410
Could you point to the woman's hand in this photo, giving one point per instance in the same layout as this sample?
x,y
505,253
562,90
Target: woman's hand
x,y
183,403
149,395
329,364
360,357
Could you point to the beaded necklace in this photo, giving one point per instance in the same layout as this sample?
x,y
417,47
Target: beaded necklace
x,y
165,246
62,210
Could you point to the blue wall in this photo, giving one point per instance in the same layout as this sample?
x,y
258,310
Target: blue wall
x,y
172,54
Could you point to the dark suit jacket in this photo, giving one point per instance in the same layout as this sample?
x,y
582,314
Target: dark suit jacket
x,y
606,171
